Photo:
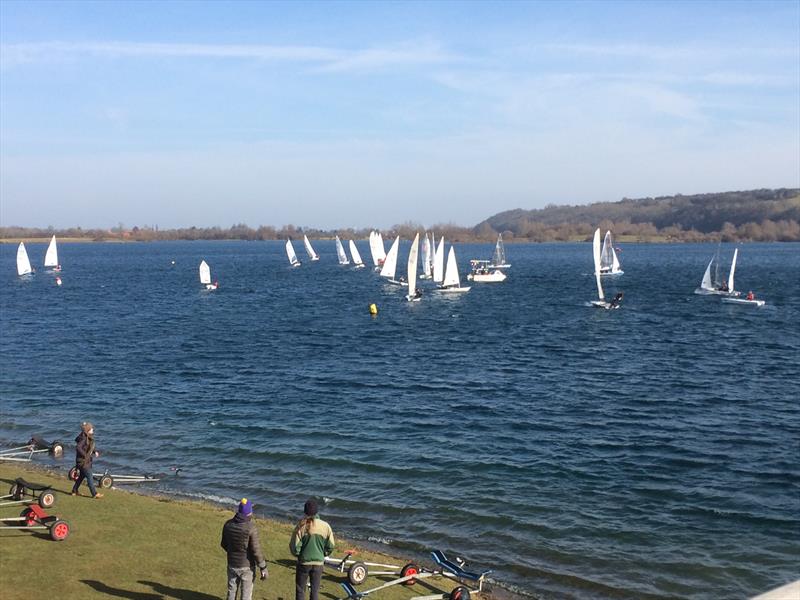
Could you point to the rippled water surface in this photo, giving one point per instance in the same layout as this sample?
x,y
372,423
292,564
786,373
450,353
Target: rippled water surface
x,y
652,451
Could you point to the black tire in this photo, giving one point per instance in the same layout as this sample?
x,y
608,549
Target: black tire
x,y
15,492
47,498
29,516
357,573
409,569
106,481
57,449
74,473
460,593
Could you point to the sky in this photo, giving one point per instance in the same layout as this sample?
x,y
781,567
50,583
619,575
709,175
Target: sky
x,y
370,114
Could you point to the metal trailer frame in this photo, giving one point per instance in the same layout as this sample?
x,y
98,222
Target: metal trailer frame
x,y
411,574
35,445
106,479
34,517
357,570
39,493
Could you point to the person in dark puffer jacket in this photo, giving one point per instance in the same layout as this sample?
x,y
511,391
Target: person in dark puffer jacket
x,y
240,540
85,452
312,540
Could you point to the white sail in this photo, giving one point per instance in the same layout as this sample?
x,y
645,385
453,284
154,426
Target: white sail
x,y
205,273
615,267
341,253
438,262
707,284
451,278
291,253
499,256
23,263
356,256
309,250
596,255
373,248
412,268
733,270
51,258
426,256
381,249
390,263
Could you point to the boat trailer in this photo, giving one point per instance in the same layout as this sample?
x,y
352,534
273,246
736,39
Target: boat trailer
x,y
357,571
35,445
412,573
34,517
106,479
38,493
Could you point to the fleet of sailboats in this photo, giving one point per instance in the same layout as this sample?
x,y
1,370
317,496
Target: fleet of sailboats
x,y
427,251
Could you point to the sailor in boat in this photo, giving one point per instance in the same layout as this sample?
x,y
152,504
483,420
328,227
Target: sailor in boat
x,y
57,269
751,295
724,287
616,300
417,293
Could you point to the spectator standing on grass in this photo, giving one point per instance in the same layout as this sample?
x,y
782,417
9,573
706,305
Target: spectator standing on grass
x,y
312,540
240,541
85,453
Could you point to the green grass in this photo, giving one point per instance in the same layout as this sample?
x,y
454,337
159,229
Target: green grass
x,y
139,547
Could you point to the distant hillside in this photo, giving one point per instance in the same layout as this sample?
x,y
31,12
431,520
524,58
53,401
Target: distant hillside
x,y
758,215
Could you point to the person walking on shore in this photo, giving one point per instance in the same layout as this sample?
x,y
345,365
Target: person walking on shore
x,y
312,540
85,452
240,540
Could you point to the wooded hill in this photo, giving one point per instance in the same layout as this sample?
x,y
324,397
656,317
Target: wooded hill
x,y
755,215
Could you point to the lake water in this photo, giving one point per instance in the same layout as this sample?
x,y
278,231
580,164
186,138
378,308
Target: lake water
x,y
648,452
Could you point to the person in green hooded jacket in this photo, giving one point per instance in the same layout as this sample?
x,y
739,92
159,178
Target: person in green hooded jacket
x,y
311,541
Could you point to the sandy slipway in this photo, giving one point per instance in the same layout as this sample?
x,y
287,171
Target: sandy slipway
x,y
129,545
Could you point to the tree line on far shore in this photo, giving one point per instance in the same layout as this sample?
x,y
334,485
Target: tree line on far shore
x,y
757,215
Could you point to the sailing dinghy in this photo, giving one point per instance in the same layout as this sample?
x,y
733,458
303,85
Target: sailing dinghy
x,y
499,256
438,262
713,286
341,253
452,282
748,301
51,257
427,258
293,260
601,298
482,273
609,263
205,276
390,264
309,250
414,294
376,249
23,263
357,262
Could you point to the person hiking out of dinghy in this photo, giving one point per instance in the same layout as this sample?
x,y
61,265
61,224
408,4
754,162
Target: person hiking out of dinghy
x,y
751,295
617,299
311,541
240,541
85,452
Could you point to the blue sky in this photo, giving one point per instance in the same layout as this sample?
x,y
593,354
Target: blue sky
x,y
371,114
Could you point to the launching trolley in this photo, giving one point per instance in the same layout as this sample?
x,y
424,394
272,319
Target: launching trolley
x,y
469,582
35,445
34,517
25,492
106,479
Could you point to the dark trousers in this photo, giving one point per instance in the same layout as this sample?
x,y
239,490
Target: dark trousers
x,y
85,473
301,575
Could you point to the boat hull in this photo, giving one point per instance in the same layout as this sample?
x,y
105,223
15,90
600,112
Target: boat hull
x,y
453,290
743,301
706,292
495,277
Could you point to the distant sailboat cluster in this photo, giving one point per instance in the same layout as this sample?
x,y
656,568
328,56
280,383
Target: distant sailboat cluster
x,y
50,260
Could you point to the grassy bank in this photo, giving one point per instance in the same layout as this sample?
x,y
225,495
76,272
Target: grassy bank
x,y
128,545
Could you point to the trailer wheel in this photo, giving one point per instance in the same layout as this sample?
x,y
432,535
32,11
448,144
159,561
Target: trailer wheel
x,y
357,573
15,492
57,450
74,473
106,481
47,498
460,593
409,569
59,530
29,516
